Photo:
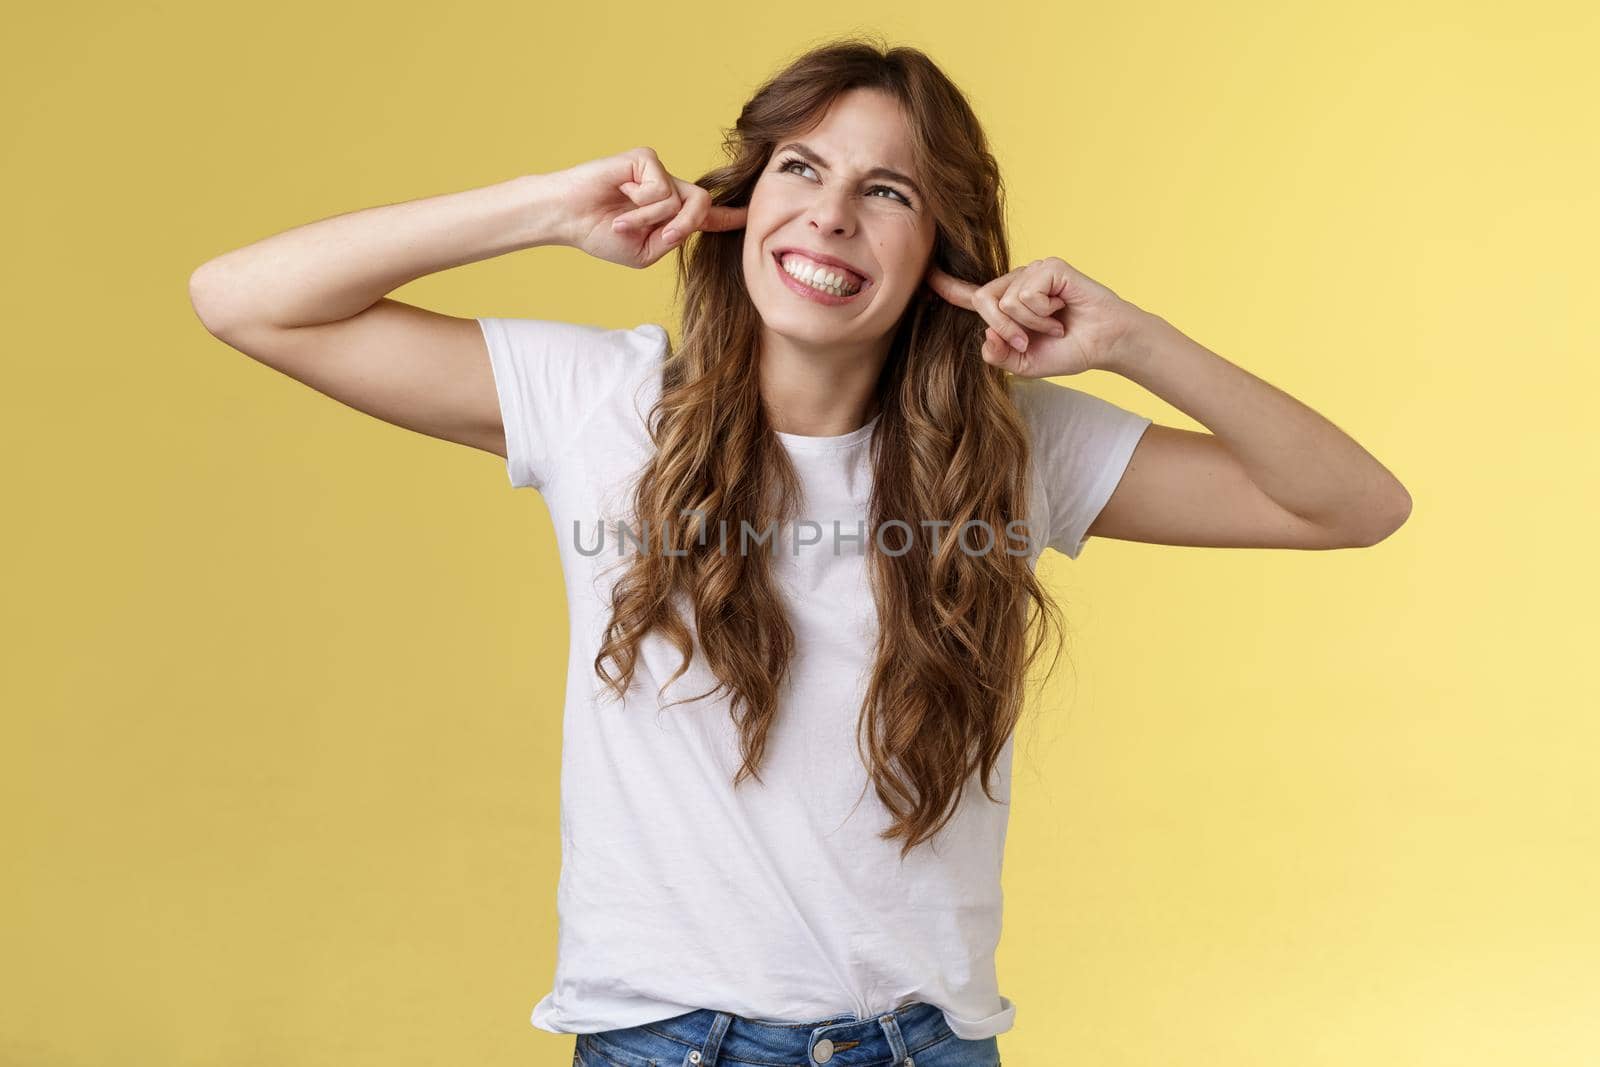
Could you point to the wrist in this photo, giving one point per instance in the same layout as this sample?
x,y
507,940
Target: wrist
x,y
1130,348
544,213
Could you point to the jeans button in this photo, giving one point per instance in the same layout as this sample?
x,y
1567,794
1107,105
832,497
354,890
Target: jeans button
x,y
822,1051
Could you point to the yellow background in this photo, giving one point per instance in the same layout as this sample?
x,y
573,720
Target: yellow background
x,y
281,703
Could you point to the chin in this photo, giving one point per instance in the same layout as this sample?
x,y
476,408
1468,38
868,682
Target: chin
x,y
803,327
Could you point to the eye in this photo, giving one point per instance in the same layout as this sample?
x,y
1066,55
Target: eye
x,y
783,168
891,189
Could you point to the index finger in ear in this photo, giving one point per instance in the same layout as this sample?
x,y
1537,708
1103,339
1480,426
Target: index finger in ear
x,y
699,213
951,288
725,218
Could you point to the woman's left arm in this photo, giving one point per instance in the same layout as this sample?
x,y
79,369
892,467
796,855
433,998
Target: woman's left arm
x,y
1271,474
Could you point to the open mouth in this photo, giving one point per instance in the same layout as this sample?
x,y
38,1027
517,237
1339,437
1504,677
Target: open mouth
x,y
818,282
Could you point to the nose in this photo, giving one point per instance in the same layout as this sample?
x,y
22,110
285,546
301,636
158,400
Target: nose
x,y
832,214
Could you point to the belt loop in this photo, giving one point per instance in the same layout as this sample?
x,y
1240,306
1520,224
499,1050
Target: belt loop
x,y
897,1043
706,1054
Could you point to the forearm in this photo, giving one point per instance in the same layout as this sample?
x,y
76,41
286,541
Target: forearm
x,y
336,267
1301,460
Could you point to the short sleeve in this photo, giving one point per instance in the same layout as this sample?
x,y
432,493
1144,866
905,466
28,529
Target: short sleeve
x,y
551,377
1081,447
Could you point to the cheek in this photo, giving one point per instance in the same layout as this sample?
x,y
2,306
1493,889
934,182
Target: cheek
x,y
762,216
766,200
902,256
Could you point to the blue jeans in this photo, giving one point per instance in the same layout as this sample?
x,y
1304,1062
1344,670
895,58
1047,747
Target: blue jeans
x,y
912,1035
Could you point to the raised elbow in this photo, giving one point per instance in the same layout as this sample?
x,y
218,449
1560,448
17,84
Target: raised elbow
x,y
208,297
1391,519
202,298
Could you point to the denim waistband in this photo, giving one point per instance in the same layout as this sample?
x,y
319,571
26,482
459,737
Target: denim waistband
x,y
890,1038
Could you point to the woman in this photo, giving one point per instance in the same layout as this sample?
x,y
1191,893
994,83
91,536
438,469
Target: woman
x,y
816,519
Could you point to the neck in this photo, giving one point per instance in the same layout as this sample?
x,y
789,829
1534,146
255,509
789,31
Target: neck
x,y
819,390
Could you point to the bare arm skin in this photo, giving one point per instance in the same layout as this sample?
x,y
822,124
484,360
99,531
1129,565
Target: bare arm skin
x,y
310,302
1273,473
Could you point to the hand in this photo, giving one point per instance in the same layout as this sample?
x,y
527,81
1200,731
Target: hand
x,y
627,209
1066,322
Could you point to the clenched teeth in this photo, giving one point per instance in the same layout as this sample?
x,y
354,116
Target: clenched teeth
x,y
817,276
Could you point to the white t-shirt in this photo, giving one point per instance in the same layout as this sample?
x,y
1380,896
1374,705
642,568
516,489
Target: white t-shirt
x,y
776,901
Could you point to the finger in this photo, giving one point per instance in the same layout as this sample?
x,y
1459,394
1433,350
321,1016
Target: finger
x,y
1042,294
701,214
993,347
648,217
1042,302
657,244
1022,298
995,351
692,203
650,181
680,225
986,303
655,192
951,288
697,209
724,218
683,223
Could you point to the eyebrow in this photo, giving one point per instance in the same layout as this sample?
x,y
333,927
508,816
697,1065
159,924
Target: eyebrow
x,y
876,172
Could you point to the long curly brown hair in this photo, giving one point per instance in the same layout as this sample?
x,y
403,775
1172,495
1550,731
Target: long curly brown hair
x,y
957,632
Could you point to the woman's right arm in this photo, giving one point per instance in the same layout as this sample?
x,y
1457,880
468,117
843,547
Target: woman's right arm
x,y
310,302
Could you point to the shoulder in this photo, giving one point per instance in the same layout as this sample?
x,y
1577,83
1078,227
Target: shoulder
x,y
560,383
525,338
1080,444
1035,396
572,366
1052,408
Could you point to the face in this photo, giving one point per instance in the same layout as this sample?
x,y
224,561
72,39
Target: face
x,y
823,198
